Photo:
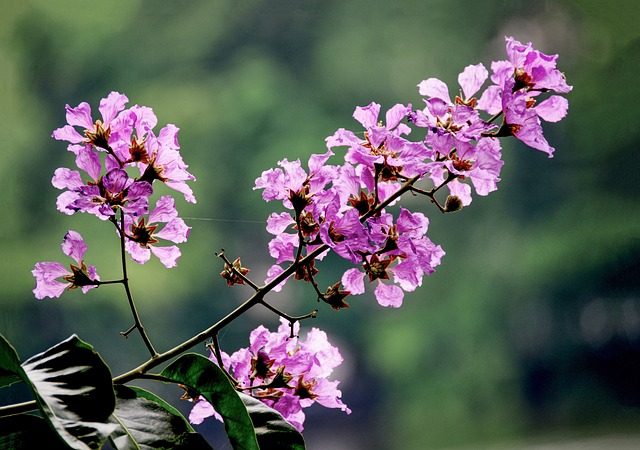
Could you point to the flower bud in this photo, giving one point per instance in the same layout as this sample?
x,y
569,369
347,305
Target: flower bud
x,y
453,204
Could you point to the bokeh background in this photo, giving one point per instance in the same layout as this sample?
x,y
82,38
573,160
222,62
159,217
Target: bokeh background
x,y
528,334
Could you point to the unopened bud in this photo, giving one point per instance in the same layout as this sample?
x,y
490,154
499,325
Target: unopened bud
x,y
453,204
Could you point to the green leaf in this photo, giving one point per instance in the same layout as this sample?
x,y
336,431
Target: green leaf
x,y
9,363
74,391
272,430
199,373
26,432
148,422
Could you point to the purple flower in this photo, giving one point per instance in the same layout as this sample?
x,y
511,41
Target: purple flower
x,y
458,118
163,161
384,151
48,274
142,236
522,120
102,197
284,372
99,133
403,252
344,232
471,80
519,81
481,163
293,186
532,68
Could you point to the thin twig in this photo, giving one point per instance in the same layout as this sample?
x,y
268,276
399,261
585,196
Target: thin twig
x,y
127,289
291,319
236,272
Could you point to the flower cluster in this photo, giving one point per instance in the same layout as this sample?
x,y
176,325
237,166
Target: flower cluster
x,y
347,207
107,151
284,372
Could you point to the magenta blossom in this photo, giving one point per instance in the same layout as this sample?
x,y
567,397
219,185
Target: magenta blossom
x,y
293,186
99,132
103,197
284,372
163,162
142,235
405,255
48,274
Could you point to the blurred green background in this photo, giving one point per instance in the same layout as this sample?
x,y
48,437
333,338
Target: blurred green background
x,y
530,330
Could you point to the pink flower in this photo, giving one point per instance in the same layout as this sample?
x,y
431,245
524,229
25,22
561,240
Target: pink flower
x,y
164,162
142,236
48,274
98,133
284,372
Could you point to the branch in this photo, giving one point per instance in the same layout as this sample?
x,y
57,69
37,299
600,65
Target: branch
x,y
125,282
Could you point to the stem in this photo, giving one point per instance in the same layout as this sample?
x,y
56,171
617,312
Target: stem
x,y
216,350
291,319
100,282
127,289
432,192
300,236
18,408
236,272
494,117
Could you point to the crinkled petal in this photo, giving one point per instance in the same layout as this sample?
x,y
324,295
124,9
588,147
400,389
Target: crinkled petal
x,y
317,161
116,180
367,115
435,88
389,295
46,275
138,253
74,246
144,118
69,134
168,137
460,190
80,116
164,211
353,281
65,200
552,109
167,255
491,100
175,231
343,138
472,78
407,274
278,223
64,178
89,161
395,115
183,188
111,106
200,411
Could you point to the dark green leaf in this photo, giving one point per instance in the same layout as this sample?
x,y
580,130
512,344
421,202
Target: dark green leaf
x,y
9,363
74,391
26,432
199,373
148,423
272,430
